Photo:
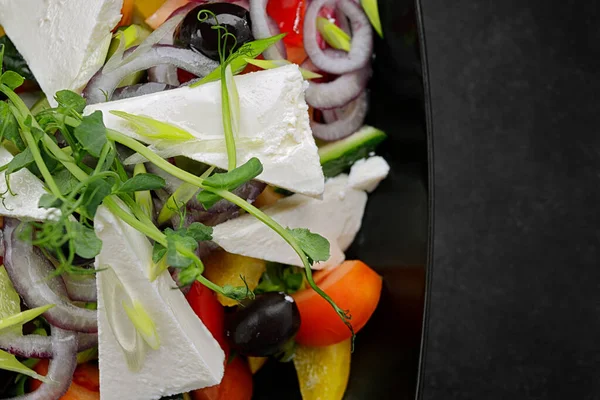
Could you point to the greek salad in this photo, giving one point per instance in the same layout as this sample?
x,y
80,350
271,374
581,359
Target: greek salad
x,y
180,182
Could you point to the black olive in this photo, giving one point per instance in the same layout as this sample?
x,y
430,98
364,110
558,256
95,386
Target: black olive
x,y
264,326
200,36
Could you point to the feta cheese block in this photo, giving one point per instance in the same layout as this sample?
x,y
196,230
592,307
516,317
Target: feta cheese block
x,y
366,174
64,42
337,217
274,126
26,189
187,358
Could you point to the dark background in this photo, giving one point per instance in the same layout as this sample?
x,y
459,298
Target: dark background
x,y
513,275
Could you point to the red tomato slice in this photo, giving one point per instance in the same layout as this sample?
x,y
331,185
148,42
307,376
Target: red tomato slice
x,y
289,15
206,306
236,384
354,287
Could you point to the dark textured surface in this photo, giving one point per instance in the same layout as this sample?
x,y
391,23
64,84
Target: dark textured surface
x,y
514,299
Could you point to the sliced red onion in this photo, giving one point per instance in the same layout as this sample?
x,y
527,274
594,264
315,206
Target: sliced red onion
x,y
347,123
38,346
29,272
140,89
362,38
81,287
102,86
263,27
166,74
338,92
61,368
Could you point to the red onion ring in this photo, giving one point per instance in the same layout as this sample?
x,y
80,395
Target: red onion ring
x,y
362,39
140,89
339,92
102,86
61,368
38,346
347,124
263,27
81,288
28,270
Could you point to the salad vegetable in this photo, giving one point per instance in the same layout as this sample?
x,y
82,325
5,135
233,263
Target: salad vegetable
x,y
116,251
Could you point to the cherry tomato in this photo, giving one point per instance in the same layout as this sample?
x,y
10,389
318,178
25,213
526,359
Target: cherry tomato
x,y
206,306
289,15
354,287
85,385
236,384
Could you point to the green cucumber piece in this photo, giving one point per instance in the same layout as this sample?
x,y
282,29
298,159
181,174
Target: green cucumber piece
x,y
338,156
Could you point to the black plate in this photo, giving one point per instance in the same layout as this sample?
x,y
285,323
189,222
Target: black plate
x,y
393,238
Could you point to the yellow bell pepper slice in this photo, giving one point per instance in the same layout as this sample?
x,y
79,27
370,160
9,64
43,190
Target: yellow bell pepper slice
x,y
224,268
256,363
323,371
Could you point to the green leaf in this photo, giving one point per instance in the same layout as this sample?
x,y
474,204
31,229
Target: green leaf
x,y
20,161
142,182
87,244
12,79
187,276
180,249
207,199
237,293
199,231
229,181
154,129
9,128
158,252
10,302
333,34
315,246
372,11
65,181
236,177
237,60
280,278
91,133
23,317
49,201
12,60
70,100
95,194
9,362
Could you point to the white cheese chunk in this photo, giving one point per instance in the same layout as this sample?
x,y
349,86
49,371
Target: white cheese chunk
x,y
366,174
26,189
337,217
64,42
188,357
274,126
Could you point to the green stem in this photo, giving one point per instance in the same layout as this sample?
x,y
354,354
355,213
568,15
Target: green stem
x,y
105,149
227,127
154,234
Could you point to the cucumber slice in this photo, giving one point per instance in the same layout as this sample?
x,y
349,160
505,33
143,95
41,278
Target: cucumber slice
x,y
337,157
